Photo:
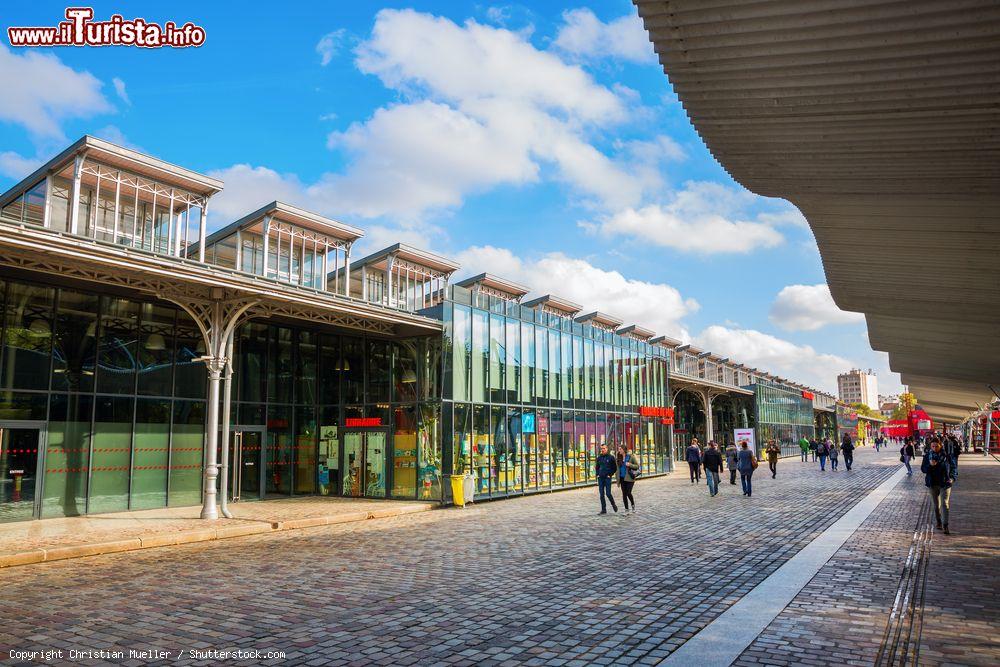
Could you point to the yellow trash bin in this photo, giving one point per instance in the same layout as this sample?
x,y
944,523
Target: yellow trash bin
x,y
457,490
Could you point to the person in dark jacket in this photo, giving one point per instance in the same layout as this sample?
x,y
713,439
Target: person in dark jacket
x,y
746,465
693,457
607,469
938,478
847,447
714,465
773,451
906,454
822,451
952,449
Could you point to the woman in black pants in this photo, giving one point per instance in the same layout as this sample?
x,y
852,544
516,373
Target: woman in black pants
x,y
628,469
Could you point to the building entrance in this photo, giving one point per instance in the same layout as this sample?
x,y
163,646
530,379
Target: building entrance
x,y
20,443
245,468
364,462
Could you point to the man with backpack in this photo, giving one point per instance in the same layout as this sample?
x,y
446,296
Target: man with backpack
x,y
713,467
822,451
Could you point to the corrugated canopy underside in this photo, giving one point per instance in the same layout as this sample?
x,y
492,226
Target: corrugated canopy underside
x,y
879,120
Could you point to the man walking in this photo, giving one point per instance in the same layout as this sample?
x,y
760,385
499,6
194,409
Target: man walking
x,y
804,446
938,478
848,448
713,466
822,451
813,446
772,451
607,468
693,457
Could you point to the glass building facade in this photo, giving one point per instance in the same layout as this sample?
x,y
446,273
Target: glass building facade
x,y
530,396
784,415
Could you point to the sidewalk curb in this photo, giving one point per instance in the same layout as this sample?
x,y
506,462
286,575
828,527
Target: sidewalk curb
x,y
200,535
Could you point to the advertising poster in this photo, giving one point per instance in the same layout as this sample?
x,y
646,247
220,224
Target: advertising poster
x,y
745,434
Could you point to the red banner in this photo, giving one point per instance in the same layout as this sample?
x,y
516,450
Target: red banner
x,y
355,422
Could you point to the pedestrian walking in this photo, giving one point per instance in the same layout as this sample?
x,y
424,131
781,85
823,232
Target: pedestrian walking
x,y
847,447
814,447
822,451
834,450
712,460
746,464
938,477
906,454
693,457
772,451
952,449
732,459
607,468
804,446
629,466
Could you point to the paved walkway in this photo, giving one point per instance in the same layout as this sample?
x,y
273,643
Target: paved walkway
x,y
51,539
539,580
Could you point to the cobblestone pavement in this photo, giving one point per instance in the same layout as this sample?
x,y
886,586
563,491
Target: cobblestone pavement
x,y
840,617
538,580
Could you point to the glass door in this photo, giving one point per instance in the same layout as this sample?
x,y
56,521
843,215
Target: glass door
x,y
245,467
19,447
364,463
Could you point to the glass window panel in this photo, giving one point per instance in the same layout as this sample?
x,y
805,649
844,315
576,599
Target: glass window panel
x,y
251,362
541,365
404,452
155,353
507,472
75,339
498,359
430,368
190,376
34,204
379,371
516,450
59,201
112,454
67,455
305,450
429,452
484,460
14,211
151,453
404,376
280,371
512,358
305,375
579,372
118,347
461,439
27,336
461,352
527,362
480,355
278,454
555,368
330,369
353,369
187,444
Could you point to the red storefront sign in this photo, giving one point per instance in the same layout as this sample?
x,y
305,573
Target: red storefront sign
x,y
808,394
650,411
356,422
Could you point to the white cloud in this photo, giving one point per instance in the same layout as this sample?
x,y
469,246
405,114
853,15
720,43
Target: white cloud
x,y
809,307
329,46
703,218
114,134
120,90
481,107
799,363
16,166
247,188
655,306
585,36
39,91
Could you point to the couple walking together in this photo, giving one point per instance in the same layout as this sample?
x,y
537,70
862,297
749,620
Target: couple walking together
x,y
626,467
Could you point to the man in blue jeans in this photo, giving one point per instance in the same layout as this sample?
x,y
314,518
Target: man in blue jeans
x,y
607,467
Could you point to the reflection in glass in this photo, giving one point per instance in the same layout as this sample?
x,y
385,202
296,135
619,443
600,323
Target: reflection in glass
x,y
28,337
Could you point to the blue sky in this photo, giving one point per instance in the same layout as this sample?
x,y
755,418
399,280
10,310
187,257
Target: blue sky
x,y
543,144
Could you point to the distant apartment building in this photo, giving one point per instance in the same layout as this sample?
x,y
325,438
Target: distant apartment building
x,y
858,386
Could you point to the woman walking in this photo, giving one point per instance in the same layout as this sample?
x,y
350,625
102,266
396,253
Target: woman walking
x,y
628,469
834,454
746,464
906,454
772,451
938,476
732,459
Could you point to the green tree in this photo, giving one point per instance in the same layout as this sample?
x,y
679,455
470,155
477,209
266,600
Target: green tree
x,y
864,410
907,402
